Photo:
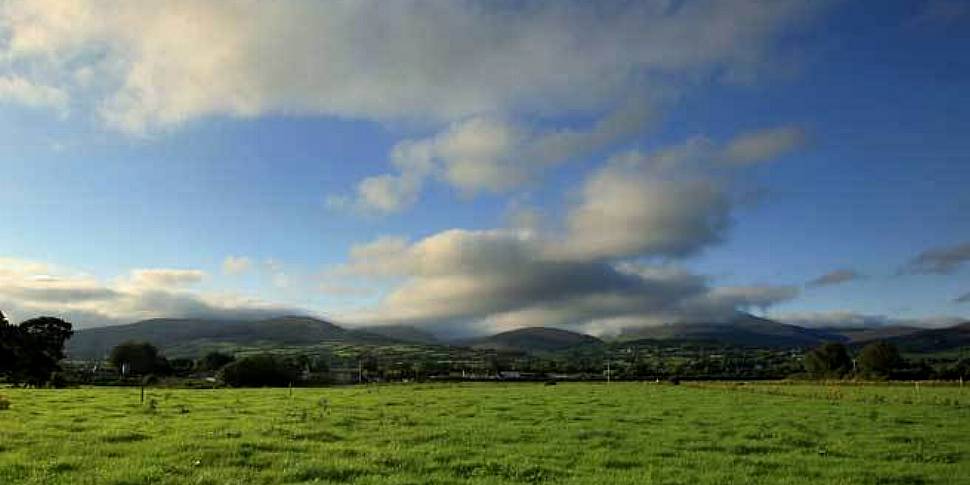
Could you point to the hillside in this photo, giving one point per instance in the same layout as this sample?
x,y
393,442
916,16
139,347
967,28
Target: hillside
x,y
403,333
533,339
868,334
193,336
744,330
935,340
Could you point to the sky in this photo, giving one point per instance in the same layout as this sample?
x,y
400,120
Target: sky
x,y
469,166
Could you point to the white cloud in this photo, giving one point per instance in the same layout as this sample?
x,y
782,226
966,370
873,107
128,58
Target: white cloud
x,y
668,204
159,67
276,274
236,265
30,288
165,277
489,154
636,206
15,89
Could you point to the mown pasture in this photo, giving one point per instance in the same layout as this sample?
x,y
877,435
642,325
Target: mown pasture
x,y
490,433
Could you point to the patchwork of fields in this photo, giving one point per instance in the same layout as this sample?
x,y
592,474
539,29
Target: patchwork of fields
x,y
490,433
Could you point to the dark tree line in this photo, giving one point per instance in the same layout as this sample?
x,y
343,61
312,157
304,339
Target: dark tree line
x,y
134,358
30,352
877,360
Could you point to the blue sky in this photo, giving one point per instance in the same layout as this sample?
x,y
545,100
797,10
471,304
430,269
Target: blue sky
x,y
474,166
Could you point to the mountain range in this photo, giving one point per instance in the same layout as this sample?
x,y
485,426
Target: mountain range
x,y
193,337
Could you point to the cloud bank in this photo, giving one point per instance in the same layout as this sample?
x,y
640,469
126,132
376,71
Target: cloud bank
x,y
609,267
850,319
30,288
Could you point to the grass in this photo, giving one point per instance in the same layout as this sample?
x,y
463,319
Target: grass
x,y
490,433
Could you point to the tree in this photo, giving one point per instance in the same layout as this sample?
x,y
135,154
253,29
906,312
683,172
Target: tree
x,y
9,343
260,371
47,335
214,361
139,358
30,352
830,360
879,359
42,347
181,367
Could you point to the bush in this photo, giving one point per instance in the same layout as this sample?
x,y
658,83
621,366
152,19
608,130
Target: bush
x,y
259,371
4,403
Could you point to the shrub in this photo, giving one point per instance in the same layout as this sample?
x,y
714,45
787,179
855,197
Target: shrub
x,y
259,371
4,403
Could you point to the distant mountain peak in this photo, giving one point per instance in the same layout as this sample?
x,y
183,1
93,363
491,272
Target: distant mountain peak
x,y
534,339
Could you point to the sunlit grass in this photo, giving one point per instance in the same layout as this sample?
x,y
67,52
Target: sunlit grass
x,y
489,433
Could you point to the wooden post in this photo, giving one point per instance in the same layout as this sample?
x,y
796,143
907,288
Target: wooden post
x,y
143,393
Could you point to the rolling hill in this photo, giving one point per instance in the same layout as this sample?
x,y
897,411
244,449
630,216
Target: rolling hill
x,y
935,340
533,339
868,334
403,333
743,330
192,336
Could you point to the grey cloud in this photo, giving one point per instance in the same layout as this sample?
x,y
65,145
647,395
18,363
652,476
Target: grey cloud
x,y
835,277
459,281
764,145
964,298
665,205
940,260
55,294
850,319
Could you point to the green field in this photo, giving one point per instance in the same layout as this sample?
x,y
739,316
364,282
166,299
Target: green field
x,y
490,433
